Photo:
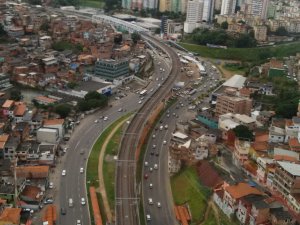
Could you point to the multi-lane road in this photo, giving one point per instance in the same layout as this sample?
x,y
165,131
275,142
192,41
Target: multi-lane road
x,y
126,187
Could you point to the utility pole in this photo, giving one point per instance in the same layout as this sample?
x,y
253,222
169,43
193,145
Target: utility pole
x,y
15,181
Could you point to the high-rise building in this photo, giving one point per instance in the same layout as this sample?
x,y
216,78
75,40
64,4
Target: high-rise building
x,y
150,4
164,5
228,7
198,11
218,4
259,8
126,4
183,6
176,6
137,4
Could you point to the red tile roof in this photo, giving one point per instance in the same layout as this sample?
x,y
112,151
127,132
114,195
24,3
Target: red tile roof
x,y
8,104
33,171
32,192
294,144
241,190
11,215
20,109
260,146
54,122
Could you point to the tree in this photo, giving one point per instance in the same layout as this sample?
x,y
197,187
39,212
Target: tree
x,y
245,41
135,37
63,110
2,31
45,26
15,95
286,110
157,30
281,31
224,25
242,131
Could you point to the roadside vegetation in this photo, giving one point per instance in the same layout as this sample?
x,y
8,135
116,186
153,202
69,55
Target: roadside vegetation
x,y
187,189
253,55
92,177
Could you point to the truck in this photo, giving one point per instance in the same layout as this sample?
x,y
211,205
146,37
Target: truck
x,y
143,92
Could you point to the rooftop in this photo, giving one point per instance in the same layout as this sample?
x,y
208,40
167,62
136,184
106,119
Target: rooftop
x,y
241,190
11,215
291,168
236,81
33,171
53,122
8,104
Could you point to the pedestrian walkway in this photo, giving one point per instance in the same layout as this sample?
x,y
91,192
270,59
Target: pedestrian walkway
x,y
107,209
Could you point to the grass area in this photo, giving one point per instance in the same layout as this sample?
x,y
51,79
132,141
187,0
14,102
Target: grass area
x,y
92,178
236,68
211,219
245,54
186,188
91,3
110,167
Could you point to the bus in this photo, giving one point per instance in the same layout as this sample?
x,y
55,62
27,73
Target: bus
x,y
143,92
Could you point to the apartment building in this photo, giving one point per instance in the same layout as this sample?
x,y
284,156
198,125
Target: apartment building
x,y
164,5
259,8
112,69
233,104
150,4
287,182
241,151
260,33
228,7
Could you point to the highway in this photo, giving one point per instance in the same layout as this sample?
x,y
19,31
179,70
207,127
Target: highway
x,y
160,192
126,187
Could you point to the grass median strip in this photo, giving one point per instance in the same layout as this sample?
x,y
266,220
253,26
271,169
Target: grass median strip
x,y
92,176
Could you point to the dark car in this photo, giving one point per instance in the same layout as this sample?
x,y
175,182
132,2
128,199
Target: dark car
x,y
146,176
63,211
157,154
151,153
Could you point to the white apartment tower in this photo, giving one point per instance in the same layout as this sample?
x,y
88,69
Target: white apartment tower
x,y
228,7
198,11
150,4
259,8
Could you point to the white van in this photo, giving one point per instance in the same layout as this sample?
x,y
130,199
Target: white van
x,y
70,202
148,217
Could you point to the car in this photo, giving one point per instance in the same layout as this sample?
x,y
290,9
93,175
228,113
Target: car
x,y
158,204
96,121
146,164
156,154
153,136
65,149
105,118
168,115
164,142
155,166
81,152
151,90
78,222
63,211
166,126
174,114
156,79
153,146
150,201
82,201
48,201
51,185
81,170
146,176
142,98
151,153
140,102
159,85
148,217
120,110
150,169
150,185
63,173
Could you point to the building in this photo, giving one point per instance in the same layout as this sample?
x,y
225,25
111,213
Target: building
x,y
56,124
112,69
233,104
241,151
10,216
260,33
4,82
287,178
150,4
259,8
198,11
47,135
164,5
228,7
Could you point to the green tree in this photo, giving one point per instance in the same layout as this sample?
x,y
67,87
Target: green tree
x,y
93,95
15,95
135,37
45,26
281,31
286,110
245,41
71,85
63,110
242,131
157,30
2,31
224,25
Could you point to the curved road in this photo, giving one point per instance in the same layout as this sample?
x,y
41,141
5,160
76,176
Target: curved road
x,y
126,194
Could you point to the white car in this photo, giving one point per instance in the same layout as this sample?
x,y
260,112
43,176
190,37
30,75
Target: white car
x,y
153,136
150,185
82,201
63,173
155,166
105,118
78,222
158,204
81,170
51,185
153,146
150,201
96,121
120,110
150,169
164,142
140,102
146,164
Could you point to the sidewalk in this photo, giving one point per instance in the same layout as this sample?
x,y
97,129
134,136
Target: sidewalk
x,y
100,172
